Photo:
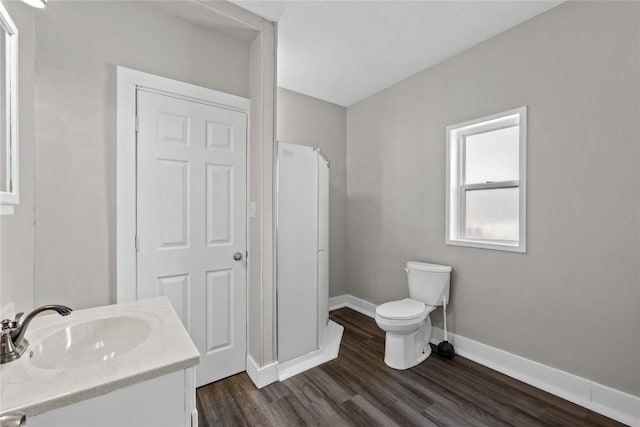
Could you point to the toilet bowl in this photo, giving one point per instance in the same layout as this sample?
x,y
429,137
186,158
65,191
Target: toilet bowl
x,y
406,322
408,327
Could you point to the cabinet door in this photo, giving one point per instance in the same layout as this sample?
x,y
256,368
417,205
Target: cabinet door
x,y
157,402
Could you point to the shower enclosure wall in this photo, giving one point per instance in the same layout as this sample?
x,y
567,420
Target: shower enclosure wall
x,y
306,337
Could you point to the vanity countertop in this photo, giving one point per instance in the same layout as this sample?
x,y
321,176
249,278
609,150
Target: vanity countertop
x,y
32,389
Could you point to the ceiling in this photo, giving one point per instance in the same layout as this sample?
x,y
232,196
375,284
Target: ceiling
x,y
345,51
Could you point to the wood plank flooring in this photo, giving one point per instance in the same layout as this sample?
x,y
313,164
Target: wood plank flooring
x,y
358,389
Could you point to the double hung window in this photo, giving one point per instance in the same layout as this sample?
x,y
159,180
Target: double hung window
x,y
486,188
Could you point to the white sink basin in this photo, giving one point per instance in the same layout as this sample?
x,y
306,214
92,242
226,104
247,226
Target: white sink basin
x,y
89,342
92,352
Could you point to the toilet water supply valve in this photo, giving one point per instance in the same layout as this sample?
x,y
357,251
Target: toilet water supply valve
x,y
445,349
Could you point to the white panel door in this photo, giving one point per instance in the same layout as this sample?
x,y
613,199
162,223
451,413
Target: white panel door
x,y
191,222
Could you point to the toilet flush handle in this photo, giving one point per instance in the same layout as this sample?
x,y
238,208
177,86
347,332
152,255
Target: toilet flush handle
x,y
406,269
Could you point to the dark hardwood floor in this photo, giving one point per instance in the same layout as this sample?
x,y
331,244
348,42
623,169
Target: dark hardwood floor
x,y
358,389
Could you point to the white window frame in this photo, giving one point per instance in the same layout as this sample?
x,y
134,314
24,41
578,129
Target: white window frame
x,y
456,189
10,197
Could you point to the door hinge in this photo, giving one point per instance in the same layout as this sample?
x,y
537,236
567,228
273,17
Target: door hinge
x,y
137,124
137,243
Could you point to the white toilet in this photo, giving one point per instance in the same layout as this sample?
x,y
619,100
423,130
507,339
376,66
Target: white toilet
x,y
407,321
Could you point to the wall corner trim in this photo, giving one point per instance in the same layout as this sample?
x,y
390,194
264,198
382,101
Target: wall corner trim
x,y
612,403
262,376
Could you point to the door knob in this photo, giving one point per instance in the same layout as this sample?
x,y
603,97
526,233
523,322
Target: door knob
x,y
238,256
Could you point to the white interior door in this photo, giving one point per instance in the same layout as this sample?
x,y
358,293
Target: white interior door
x,y
191,223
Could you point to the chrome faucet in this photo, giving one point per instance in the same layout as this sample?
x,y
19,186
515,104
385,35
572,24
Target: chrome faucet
x,y
12,341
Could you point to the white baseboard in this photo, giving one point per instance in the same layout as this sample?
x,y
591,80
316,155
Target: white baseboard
x,y
615,404
329,349
604,400
361,306
262,376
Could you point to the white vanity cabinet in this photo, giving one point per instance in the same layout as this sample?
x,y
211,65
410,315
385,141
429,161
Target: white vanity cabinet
x,y
162,401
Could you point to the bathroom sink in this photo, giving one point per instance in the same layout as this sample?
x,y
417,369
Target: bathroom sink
x,y
89,342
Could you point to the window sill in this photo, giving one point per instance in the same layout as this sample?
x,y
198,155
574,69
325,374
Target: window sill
x,y
520,248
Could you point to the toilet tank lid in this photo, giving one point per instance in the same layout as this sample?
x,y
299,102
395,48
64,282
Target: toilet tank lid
x,y
425,266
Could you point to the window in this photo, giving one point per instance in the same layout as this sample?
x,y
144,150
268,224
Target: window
x,y
486,191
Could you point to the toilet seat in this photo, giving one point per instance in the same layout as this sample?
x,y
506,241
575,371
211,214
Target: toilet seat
x,y
404,309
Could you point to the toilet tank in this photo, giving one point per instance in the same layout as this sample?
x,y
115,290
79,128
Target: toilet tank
x,y
428,283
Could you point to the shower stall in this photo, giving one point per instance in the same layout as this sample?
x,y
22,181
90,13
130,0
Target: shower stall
x,y
306,337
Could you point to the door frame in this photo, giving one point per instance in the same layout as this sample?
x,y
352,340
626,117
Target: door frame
x,y
128,82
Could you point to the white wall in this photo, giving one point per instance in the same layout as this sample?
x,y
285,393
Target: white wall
x,y
17,231
572,301
78,45
310,121
262,287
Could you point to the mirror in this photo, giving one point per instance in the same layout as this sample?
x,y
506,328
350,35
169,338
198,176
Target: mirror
x,y
8,113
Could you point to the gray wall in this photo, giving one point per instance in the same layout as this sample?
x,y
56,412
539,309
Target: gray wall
x,y
17,231
68,57
572,301
60,244
78,45
310,121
